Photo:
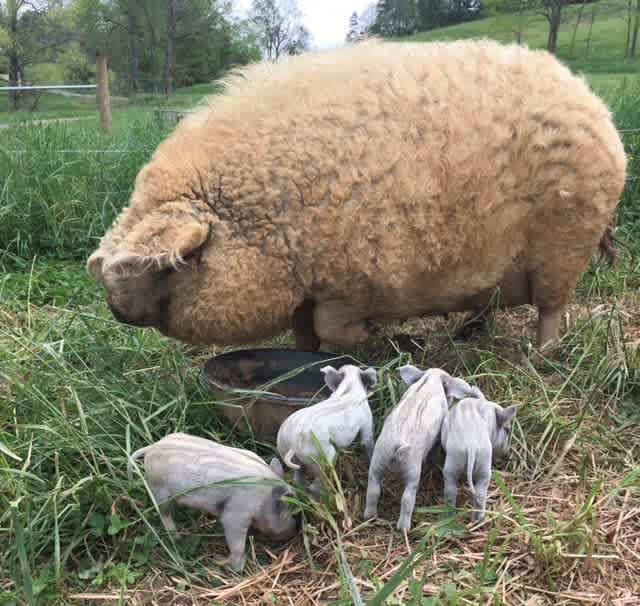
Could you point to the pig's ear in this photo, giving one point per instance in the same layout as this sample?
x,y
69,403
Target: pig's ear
x,y
410,374
276,495
458,389
161,241
369,378
276,467
332,377
506,414
94,265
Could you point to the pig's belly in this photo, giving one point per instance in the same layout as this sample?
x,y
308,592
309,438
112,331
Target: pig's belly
x,y
438,297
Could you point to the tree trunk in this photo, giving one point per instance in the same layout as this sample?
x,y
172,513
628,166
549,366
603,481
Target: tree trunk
x,y
554,26
520,15
104,100
636,28
593,18
169,61
575,30
14,59
14,80
134,59
627,43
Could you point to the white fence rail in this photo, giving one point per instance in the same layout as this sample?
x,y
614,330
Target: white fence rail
x,y
49,87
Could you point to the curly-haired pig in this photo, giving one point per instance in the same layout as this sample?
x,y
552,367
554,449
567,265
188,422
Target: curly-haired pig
x,y
410,432
234,484
474,432
335,422
502,172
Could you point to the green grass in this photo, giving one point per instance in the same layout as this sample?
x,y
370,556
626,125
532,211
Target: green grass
x,y
605,58
51,106
79,390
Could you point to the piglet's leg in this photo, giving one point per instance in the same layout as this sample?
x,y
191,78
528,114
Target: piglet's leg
x,y
165,506
166,517
480,489
450,474
366,437
236,526
412,480
374,485
318,481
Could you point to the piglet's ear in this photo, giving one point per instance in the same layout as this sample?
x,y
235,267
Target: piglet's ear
x,y
506,414
458,389
369,378
410,374
276,467
332,377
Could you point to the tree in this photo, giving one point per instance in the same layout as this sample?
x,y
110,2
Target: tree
x,y
280,25
633,25
133,35
431,14
33,31
353,35
636,30
170,53
552,10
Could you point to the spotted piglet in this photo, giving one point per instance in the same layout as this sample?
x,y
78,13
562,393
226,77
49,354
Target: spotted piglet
x,y
232,483
474,433
410,432
335,422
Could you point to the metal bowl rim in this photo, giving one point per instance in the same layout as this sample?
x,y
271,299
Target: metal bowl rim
x,y
270,397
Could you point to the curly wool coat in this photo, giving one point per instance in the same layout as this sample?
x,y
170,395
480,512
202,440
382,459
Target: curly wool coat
x,y
374,182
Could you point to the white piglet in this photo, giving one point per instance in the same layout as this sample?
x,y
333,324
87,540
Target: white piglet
x,y
336,423
232,483
474,433
410,432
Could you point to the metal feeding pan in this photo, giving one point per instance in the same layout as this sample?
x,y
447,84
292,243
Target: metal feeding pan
x,y
259,388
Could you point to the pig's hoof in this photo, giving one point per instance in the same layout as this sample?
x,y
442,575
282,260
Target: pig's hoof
x,y
403,524
369,514
477,516
237,564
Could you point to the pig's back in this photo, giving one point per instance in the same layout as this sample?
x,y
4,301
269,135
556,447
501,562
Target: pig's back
x,y
184,458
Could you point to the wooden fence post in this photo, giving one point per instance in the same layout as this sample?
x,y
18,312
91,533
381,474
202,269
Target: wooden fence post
x,y
104,100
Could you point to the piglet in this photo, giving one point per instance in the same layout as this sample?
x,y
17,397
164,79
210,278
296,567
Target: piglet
x,y
410,432
474,432
186,469
336,423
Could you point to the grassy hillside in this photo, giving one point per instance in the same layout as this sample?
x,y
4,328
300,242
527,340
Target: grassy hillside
x,y
604,58
52,105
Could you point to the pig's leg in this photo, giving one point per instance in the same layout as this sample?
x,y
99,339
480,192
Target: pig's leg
x,y
412,480
366,437
165,507
315,488
166,517
480,488
299,477
236,526
549,326
374,485
302,322
450,474
338,323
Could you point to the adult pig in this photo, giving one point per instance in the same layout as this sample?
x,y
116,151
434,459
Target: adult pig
x,y
370,183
